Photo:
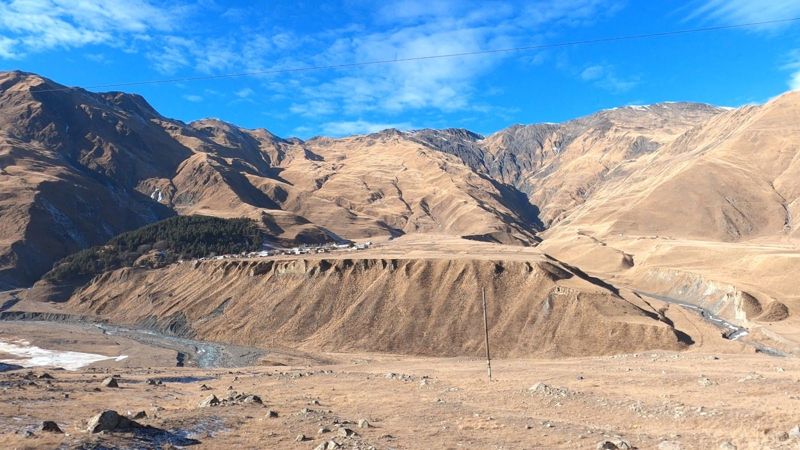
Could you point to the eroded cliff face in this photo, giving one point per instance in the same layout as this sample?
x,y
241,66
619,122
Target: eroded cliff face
x,y
724,299
408,306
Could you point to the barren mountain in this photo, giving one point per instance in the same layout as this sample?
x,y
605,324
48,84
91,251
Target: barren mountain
x,y
684,200
81,167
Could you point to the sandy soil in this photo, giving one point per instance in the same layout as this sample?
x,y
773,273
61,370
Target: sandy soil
x,y
695,399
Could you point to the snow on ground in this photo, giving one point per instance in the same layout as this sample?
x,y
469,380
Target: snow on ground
x,y
31,356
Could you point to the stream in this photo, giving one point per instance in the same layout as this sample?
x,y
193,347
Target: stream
x,y
730,331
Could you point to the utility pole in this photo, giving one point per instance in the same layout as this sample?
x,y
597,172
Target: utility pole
x,y
486,330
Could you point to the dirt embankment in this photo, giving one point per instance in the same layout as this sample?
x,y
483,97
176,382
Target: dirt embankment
x,y
408,306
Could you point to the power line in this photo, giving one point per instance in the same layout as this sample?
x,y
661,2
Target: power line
x,y
629,37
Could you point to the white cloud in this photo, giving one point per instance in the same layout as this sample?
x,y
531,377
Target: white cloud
x,y
421,28
592,73
193,98
347,128
245,92
794,66
99,58
7,46
745,11
794,81
39,25
313,108
605,77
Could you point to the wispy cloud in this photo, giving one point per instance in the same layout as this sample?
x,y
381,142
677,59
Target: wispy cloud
x,y
793,65
415,28
605,77
39,25
245,92
346,128
194,98
7,48
745,11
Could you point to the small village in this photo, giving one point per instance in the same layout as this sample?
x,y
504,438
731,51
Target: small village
x,y
304,249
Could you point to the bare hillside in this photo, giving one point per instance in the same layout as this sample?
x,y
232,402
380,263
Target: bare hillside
x,y
416,306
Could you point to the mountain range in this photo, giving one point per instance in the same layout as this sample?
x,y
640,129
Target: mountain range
x,y
635,194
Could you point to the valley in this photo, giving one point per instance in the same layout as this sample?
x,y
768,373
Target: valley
x,y
638,264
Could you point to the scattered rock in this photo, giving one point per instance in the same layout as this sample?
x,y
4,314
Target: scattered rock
x,y
363,423
399,376
751,376
727,445
211,400
705,381
138,415
272,414
324,430
203,387
110,382
346,432
300,438
45,376
669,445
153,382
51,427
615,444
794,433
544,389
252,399
111,421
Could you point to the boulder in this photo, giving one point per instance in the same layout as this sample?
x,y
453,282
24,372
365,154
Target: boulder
x,y
51,427
111,421
615,444
346,432
211,400
252,399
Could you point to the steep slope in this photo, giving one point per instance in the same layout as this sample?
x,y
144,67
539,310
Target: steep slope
x,y
386,183
560,166
57,194
425,306
731,179
80,167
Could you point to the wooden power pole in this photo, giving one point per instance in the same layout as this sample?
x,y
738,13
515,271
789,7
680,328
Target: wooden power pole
x,y
486,331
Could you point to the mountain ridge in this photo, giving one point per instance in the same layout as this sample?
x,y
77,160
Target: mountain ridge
x,y
112,156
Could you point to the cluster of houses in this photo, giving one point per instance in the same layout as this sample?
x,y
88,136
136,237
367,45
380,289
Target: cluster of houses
x,y
310,249
304,249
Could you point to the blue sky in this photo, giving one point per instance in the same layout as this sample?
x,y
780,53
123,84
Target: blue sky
x,y
88,43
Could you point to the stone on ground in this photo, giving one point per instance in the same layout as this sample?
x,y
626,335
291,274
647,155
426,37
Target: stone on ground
x,y
211,400
110,382
50,426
